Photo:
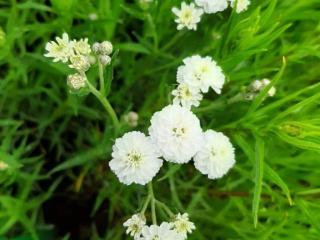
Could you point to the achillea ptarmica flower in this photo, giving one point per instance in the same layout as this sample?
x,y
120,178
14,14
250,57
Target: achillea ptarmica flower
x,y
135,159
131,118
162,232
201,73
242,5
61,49
186,96
212,6
216,157
183,225
81,46
177,133
76,81
188,16
80,62
105,60
134,225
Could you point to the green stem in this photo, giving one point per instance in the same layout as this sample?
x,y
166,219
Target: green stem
x,y
165,208
145,205
153,203
101,77
106,105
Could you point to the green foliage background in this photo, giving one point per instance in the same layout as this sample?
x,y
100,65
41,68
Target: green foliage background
x,y
57,145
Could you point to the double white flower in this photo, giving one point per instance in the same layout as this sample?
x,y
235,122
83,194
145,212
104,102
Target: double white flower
x,y
216,157
135,159
196,76
177,133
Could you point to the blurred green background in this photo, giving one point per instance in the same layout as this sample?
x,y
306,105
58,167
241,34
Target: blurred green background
x,y
57,145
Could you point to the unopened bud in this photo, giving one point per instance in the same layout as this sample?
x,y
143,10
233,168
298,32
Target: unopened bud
x,y
105,60
76,81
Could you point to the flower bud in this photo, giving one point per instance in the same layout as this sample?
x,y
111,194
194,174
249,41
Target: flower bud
x,y
106,48
76,81
96,48
256,85
131,118
80,63
105,60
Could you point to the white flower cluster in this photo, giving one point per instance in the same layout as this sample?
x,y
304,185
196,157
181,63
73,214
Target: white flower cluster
x,y
77,55
195,77
175,132
256,87
188,16
178,229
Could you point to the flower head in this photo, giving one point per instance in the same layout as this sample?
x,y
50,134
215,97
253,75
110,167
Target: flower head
x,y
61,49
135,159
256,87
212,6
162,232
201,73
80,62
76,81
186,96
134,225
242,5
216,156
188,16
82,46
177,133
183,225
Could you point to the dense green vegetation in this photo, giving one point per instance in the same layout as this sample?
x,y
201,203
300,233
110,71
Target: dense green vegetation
x,y
57,145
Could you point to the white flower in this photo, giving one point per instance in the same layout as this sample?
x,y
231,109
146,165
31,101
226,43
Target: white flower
x,y
134,225
80,62
202,73
242,5
257,86
186,96
217,155
131,118
82,46
272,91
212,6
183,225
76,81
177,133
162,232
135,159
188,16
61,49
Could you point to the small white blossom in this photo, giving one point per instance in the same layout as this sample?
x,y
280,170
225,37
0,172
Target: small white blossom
x,y
201,73
96,47
162,232
82,46
242,5
134,225
212,6
135,159
183,225
217,155
61,49
105,60
188,16
3,166
80,62
131,118
186,96
177,133
76,81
